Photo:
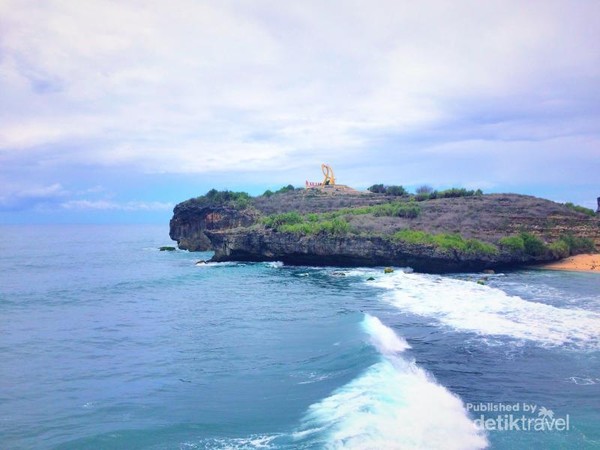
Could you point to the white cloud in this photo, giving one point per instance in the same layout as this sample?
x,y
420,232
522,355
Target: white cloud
x,y
202,86
104,205
16,197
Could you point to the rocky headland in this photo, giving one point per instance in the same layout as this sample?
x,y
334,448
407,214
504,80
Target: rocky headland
x,y
450,231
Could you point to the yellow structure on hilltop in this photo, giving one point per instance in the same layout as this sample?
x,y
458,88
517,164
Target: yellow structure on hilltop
x,y
329,179
329,176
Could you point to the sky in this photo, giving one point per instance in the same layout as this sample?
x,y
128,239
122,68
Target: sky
x,y
114,111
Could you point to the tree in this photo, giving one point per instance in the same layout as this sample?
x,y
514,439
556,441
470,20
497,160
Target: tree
x,y
377,189
395,190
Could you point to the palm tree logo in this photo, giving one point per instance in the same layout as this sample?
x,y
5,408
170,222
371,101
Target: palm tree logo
x,y
545,413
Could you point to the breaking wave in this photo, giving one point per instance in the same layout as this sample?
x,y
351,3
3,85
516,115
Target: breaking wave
x,y
394,404
467,306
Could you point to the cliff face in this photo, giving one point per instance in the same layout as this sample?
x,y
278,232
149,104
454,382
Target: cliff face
x,y
257,245
191,221
238,234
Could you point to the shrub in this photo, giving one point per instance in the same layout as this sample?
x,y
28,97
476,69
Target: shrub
x,y
297,228
397,191
389,190
455,192
409,210
292,222
424,189
267,193
335,226
446,241
285,189
394,209
534,246
559,249
451,241
277,220
477,246
413,237
422,194
513,243
377,189
422,197
239,200
581,209
578,244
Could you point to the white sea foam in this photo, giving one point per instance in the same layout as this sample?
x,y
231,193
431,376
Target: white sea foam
x,y
467,306
274,264
247,443
383,338
584,381
216,264
359,272
394,404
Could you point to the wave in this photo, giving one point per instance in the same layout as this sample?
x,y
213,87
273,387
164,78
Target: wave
x,y
206,264
584,381
467,306
247,443
274,264
394,404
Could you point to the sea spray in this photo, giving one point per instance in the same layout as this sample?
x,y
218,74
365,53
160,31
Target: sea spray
x,y
467,306
394,404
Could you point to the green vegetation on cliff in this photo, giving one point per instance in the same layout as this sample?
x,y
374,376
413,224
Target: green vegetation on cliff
x,y
397,191
292,222
283,190
448,193
335,222
446,241
424,192
531,245
581,209
392,209
236,200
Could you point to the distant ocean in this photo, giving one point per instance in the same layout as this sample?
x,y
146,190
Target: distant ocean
x,y
108,343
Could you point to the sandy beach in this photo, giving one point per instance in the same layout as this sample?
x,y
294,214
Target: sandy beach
x,y
579,263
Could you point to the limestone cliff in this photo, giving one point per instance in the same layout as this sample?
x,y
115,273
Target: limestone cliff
x,y
240,233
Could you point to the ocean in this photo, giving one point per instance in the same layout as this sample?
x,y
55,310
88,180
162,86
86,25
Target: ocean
x,y
108,343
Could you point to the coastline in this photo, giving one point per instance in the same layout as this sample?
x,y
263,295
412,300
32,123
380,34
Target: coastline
x,y
577,263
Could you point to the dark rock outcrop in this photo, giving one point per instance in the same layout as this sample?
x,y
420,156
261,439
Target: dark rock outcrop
x,y
191,221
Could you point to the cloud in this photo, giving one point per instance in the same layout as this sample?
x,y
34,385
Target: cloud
x,y
384,89
107,205
55,196
15,198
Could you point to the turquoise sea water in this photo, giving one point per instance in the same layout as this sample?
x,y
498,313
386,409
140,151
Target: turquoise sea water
x,y
107,343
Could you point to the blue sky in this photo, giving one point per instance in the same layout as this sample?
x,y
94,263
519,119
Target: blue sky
x,y
113,111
